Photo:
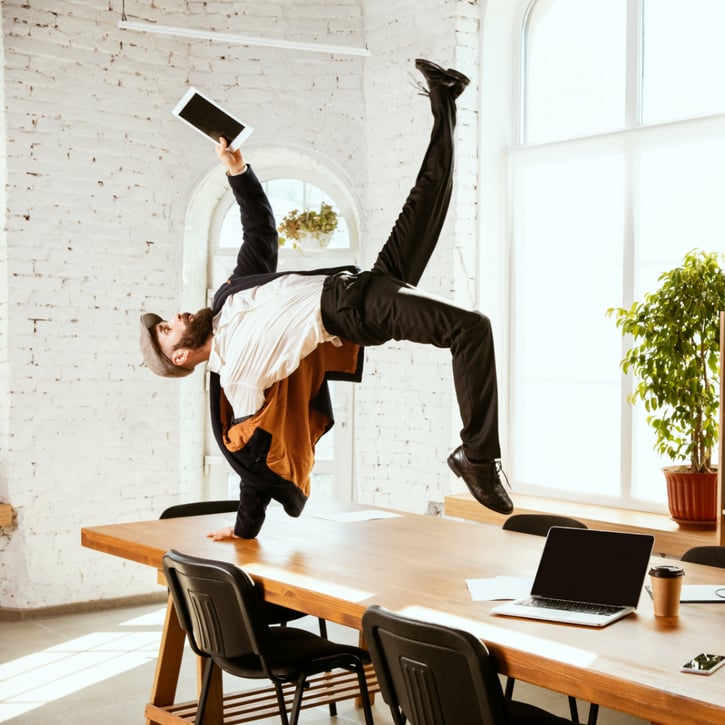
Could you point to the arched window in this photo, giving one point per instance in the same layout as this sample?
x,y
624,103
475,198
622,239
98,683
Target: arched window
x,y
619,172
292,180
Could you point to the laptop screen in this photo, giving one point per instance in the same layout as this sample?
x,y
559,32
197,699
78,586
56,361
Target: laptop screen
x,y
588,565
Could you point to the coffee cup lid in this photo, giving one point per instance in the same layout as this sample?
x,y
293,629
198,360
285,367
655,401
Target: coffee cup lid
x,y
667,571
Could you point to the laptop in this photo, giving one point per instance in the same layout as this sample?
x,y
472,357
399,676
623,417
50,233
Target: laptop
x,y
585,576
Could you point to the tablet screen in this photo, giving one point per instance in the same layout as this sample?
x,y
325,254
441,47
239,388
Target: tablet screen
x,y
210,119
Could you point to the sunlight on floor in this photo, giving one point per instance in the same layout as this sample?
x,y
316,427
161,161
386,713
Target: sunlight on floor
x,y
34,680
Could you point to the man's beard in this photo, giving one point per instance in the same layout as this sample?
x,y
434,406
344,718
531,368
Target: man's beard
x,y
198,331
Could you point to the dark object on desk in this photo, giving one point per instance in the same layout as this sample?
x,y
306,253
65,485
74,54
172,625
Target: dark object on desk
x,y
431,674
200,508
221,611
708,555
539,525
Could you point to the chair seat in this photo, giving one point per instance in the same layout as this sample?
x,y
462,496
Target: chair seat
x,y
522,713
290,652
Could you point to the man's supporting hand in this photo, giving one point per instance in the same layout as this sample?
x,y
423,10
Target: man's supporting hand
x,y
222,534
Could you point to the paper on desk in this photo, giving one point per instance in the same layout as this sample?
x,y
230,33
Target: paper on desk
x,y
499,587
365,515
699,592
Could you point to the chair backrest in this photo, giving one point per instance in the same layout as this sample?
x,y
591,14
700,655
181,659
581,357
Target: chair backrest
x,y
199,508
539,524
710,555
218,606
433,675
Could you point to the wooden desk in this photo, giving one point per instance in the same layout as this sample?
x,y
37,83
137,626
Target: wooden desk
x,y
418,565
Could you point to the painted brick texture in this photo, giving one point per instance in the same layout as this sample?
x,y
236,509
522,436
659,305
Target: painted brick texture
x,y
97,179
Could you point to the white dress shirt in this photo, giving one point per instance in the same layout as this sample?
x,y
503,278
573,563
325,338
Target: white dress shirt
x,y
261,335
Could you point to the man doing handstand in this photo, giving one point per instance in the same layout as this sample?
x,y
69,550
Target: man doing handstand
x,y
273,339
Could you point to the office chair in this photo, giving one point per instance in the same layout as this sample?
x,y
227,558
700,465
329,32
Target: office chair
x,y
539,525
435,675
222,612
709,555
276,613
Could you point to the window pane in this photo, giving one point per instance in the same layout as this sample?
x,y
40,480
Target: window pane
x,y
680,193
575,68
288,194
567,271
684,59
284,196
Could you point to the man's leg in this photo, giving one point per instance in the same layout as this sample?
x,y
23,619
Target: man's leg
x,y
401,312
414,236
393,310
381,305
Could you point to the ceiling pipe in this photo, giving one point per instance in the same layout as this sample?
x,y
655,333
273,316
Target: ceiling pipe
x,y
235,39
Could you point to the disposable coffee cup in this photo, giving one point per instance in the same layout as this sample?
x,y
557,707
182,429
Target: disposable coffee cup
x,y
666,582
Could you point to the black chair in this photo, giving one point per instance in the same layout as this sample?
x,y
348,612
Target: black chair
x,y
539,525
435,675
222,612
708,555
276,613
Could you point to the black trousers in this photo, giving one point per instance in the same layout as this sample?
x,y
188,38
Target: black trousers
x,y
383,303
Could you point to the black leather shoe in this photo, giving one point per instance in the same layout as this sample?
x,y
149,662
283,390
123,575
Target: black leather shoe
x,y
483,481
455,81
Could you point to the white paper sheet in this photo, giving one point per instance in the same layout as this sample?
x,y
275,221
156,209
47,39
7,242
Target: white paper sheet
x,y
499,587
351,516
699,592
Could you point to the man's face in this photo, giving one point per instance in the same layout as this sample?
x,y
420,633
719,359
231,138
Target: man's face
x,y
184,331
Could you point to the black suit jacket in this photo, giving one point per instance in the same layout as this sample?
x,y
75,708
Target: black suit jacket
x,y
257,265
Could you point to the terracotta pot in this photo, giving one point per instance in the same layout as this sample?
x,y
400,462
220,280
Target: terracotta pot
x,y
692,497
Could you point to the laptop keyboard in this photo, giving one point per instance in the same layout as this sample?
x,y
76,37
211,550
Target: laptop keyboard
x,y
569,606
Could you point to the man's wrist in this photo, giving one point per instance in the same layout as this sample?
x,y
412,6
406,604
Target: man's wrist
x,y
242,170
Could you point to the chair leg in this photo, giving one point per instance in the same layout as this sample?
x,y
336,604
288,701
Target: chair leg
x,y
323,627
323,633
398,717
297,702
208,669
509,692
573,710
364,694
281,703
593,713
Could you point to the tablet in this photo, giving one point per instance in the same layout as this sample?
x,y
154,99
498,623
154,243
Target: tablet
x,y
209,119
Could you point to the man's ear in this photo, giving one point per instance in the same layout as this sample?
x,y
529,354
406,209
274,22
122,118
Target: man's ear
x,y
180,356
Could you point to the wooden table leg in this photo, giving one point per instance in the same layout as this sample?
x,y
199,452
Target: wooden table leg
x,y
168,663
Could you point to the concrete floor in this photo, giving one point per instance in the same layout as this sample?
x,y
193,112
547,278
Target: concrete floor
x,y
96,667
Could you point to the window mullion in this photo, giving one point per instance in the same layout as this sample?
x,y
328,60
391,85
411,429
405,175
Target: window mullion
x,y
633,66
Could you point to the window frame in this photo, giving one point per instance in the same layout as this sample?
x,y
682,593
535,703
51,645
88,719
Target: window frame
x,y
630,141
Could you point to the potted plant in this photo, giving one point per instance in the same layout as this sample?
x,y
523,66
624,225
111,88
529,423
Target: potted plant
x,y
307,229
675,363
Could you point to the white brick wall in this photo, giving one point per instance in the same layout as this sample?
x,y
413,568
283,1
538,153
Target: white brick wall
x,y
96,184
